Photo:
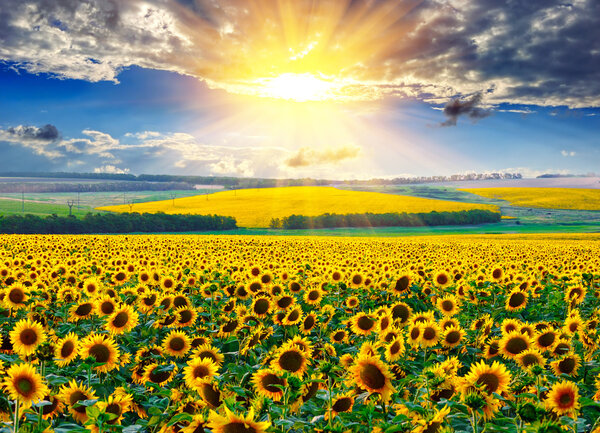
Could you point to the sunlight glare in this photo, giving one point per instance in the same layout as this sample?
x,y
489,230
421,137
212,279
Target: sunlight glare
x,y
297,87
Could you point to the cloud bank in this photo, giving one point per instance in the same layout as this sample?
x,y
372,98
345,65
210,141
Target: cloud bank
x,y
306,156
538,52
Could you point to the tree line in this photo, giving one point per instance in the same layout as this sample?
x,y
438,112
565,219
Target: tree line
x,y
465,217
114,223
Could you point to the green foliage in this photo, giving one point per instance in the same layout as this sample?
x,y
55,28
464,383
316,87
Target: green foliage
x,y
114,223
466,217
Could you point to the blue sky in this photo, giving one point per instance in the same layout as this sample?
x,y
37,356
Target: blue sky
x,y
129,109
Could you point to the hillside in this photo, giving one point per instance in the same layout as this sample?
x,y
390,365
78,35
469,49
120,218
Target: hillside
x,y
256,207
547,198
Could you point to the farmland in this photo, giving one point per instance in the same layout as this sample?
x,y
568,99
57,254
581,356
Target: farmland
x,y
256,207
43,204
547,198
265,334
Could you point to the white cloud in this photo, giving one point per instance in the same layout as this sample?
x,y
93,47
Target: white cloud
x,y
111,169
567,153
231,166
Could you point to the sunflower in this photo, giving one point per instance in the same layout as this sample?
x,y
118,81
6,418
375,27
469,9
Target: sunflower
x,y
341,403
16,296
516,300
433,423
199,371
448,305
430,334
159,374
210,352
91,287
122,320
267,383
490,379
176,343
530,357
513,344
71,394
362,324
293,316
231,422
308,323
352,302
356,279
313,296
573,324
55,407
261,306
395,349
24,384
81,311
116,405
26,336
442,279
105,305
575,295
414,334
372,375
148,301
339,336
211,395
291,359
66,349
563,398
568,364
167,283
229,328
102,348
452,336
545,339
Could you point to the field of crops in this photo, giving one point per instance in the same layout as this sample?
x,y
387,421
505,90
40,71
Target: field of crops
x,y
547,198
256,207
282,334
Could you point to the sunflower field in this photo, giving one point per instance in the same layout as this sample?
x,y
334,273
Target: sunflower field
x,y
546,198
239,334
256,207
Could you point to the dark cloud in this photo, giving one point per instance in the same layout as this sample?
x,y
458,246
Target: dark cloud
x,y
467,107
45,133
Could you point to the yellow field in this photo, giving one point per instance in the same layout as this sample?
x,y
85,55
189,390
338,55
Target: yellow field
x,y
246,334
256,207
547,198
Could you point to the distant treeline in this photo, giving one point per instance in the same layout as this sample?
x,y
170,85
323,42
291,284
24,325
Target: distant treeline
x,y
465,217
50,187
114,223
244,182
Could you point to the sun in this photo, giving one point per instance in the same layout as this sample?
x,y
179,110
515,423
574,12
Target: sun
x,y
297,87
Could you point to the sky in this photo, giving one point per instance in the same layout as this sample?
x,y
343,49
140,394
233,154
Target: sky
x,y
336,89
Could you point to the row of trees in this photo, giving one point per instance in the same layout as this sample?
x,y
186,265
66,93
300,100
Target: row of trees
x,y
465,217
114,223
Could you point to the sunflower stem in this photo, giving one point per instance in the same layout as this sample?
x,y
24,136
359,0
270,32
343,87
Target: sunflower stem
x,y
16,426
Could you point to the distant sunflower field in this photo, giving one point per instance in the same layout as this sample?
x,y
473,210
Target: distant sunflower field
x,y
257,207
233,334
546,198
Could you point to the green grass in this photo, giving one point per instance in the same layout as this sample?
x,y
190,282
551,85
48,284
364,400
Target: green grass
x,y
494,228
9,207
42,204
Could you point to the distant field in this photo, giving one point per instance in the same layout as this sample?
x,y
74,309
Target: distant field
x,y
256,207
42,204
547,198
